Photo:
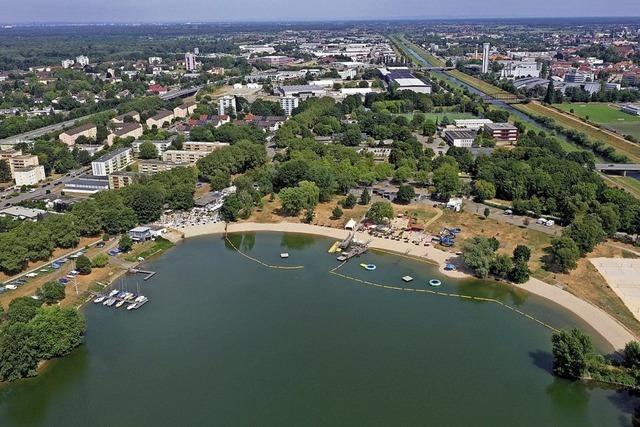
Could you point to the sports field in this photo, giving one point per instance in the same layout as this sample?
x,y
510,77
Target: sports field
x,y
607,115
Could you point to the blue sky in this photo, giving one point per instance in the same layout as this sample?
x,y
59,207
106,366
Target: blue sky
x,y
270,10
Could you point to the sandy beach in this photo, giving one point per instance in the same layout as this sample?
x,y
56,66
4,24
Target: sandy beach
x,y
601,322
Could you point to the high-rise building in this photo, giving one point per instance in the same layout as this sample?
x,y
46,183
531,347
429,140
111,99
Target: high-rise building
x,y
289,103
227,105
196,50
485,58
190,61
66,63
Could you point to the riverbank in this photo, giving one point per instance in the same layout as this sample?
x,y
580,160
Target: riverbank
x,y
601,322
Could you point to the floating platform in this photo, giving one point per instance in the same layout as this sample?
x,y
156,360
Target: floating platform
x,y
435,282
149,274
407,278
334,248
284,255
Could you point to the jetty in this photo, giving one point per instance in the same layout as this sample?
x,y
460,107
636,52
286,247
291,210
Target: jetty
x,y
351,248
127,301
149,274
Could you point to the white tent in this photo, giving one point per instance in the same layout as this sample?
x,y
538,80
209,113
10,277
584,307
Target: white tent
x,y
350,225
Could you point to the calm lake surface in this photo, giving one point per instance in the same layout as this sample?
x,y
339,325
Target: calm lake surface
x,y
226,341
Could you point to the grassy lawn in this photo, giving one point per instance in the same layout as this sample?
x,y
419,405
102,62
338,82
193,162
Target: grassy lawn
x,y
620,144
632,185
148,249
452,115
606,115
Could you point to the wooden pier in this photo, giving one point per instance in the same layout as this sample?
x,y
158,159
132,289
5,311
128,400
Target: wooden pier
x,y
149,274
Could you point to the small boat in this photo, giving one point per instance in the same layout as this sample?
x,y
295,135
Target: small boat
x,y
333,247
113,293
284,255
407,278
140,298
132,306
119,303
435,282
368,267
110,302
99,299
450,267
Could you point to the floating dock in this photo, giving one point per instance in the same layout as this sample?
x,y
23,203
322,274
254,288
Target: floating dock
x,y
127,302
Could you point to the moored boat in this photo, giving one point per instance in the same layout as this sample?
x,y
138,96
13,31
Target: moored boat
x,y
99,299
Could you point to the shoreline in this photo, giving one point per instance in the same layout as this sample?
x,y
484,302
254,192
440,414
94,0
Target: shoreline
x,y
612,331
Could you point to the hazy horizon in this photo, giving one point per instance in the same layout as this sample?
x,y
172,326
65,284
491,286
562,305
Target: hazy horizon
x,y
211,11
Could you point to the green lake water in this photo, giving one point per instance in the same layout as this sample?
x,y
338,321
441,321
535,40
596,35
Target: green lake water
x,y
225,341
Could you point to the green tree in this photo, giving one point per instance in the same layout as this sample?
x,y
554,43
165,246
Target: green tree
x,y
52,292
486,212
148,150
483,190
231,208
351,136
501,266
520,272
406,193
146,202
83,264
479,254
88,218
336,213
57,331
632,355
549,97
587,232
5,171
219,180
521,253
100,260
22,309
349,202
18,352
402,174
446,180
365,197
564,254
125,243
572,353
380,212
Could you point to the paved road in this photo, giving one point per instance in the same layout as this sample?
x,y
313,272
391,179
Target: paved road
x,y
40,191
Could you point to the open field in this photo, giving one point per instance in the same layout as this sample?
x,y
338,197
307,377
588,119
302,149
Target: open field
x,y
620,144
604,114
451,115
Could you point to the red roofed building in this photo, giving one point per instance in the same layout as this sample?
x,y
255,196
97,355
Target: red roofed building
x,y
158,89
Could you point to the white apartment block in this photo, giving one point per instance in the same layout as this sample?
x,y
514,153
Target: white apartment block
x,y
112,162
289,103
227,105
190,61
31,175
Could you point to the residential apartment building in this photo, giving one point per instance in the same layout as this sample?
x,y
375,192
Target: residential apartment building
x,y
182,156
207,147
184,110
190,61
161,146
125,130
152,166
112,162
227,105
31,175
159,120
87,130
289,103
121,179
134,116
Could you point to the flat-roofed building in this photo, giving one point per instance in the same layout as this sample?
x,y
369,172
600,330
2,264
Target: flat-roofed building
x,y
301,91
161,146
22,161
182,156
88,130
460,137
125,130
203,146
163,117
112,162
474,124
153,166
19,212
502,132
289,103
633,109
31,175
186,109
121,179
87,184
227,105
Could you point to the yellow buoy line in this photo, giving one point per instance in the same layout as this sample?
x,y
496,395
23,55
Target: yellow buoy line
x,y
264,264
445,294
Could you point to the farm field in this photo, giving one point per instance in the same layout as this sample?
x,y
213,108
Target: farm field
x,y
606,115
620,144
